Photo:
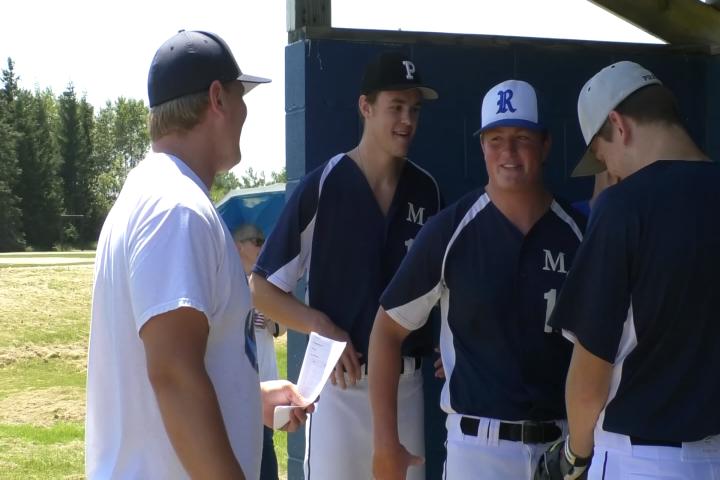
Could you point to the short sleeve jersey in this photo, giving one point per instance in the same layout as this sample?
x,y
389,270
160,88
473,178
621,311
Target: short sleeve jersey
x,y
496,288
644,295
332,228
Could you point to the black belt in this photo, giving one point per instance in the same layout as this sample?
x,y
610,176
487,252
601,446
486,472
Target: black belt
x,y
527,432
648,442
418,364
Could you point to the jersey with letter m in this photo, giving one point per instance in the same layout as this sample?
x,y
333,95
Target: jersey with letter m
x,y
496,288
333,229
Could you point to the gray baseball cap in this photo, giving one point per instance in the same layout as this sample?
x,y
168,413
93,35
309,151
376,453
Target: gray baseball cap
x,y
598,97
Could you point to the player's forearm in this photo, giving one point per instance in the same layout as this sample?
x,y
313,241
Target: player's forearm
x,y
383,373
283,307
191,414
586,393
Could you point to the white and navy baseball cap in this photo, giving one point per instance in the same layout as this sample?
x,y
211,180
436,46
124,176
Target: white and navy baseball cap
x,y
599,96
512,103
189,62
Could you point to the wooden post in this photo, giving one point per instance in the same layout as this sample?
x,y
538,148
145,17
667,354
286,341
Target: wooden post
x,y
306,13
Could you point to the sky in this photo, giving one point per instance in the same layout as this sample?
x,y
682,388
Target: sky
x,y
105,47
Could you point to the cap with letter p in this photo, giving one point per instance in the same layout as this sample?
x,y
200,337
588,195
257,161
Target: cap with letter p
x,y
512,103
599,96
189,62
394,71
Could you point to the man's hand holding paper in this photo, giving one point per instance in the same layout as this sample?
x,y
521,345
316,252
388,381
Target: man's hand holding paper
x,y
321,356
285,395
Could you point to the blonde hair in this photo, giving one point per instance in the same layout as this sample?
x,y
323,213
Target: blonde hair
x,y
177,115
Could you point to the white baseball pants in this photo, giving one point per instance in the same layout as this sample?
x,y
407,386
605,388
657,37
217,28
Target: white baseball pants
x,y
338,435
615,457
486,457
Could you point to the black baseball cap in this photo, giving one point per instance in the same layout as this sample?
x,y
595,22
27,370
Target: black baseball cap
x,y
394,71
189,62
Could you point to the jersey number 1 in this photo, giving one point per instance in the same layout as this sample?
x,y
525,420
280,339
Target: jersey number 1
x,y
549,297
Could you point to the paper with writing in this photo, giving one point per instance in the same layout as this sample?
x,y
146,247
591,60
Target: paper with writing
x,y
321,356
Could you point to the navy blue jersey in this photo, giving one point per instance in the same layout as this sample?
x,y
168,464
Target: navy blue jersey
x,y
333,228
644,295
496,288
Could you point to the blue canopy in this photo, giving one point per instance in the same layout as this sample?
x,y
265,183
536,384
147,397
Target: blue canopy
x,y
259,206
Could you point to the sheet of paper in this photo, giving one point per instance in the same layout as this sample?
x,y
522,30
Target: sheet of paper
x,y
321,356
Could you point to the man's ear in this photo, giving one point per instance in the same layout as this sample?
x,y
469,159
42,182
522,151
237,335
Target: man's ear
x,y
216,96
622,125
364,106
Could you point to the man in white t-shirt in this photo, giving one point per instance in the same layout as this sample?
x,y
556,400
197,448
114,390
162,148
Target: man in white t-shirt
x,y
173,389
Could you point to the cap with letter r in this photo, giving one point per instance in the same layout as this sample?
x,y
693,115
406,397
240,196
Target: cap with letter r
x,y
189,62
394,71
512,103
599,96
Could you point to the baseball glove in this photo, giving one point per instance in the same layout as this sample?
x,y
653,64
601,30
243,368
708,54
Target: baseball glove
x,y
559,463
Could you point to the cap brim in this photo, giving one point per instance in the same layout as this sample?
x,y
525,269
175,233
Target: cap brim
x,y
588,165
250,81
512,122
428,93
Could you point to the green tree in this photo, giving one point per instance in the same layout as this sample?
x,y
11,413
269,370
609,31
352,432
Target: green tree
x,y
39,186
132,139
68,137
11,233
120,140
74,133
252,179
10,84
223,183
108,161
57,157
89,225
279,177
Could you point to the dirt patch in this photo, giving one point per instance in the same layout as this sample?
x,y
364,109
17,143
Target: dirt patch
x,y
75,354
44,407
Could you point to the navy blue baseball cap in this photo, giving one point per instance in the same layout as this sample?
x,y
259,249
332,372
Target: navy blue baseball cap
x,y
189,62
394,71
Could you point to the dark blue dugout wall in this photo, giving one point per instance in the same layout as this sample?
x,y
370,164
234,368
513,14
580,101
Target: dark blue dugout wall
x,y
323,76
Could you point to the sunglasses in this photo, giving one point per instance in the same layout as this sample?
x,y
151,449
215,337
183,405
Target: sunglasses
x,y
258,242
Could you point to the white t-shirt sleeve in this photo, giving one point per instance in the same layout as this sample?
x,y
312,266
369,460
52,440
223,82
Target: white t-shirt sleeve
x,y
173,262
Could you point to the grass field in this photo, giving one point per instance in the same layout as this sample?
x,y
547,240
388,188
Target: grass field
x,y
44,326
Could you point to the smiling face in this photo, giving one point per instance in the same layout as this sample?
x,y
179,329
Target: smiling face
x,y
391,120
514,157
